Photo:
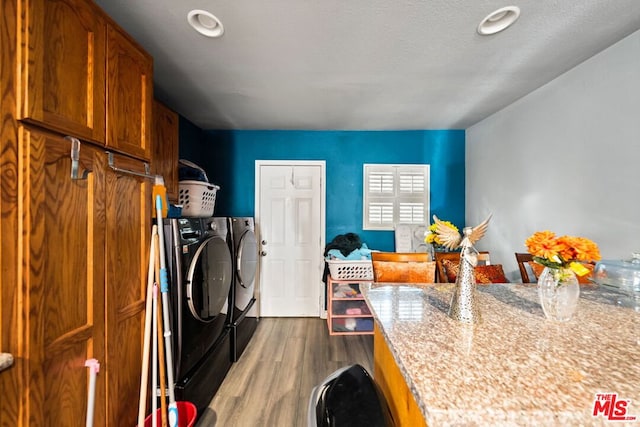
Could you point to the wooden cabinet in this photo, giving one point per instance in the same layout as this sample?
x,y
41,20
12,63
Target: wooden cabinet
x,y
63,67
74,254
347,311
63,287
164,142
82,75
85,286
11,236
403,405
130,95
127,242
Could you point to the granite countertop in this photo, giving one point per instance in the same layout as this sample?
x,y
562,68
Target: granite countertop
x,y
514,367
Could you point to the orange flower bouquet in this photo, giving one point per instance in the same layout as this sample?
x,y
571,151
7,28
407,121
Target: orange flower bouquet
x,y
562,252
563,258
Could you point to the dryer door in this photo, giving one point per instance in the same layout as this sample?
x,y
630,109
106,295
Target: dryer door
x,y
247,259
209,279
246,266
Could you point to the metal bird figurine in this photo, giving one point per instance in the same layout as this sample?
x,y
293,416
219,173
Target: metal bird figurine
x,y
463,305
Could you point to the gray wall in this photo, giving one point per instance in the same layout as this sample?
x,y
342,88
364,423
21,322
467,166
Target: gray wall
x,y
565,158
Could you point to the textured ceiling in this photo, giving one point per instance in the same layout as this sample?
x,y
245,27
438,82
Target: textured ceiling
x,y
362,64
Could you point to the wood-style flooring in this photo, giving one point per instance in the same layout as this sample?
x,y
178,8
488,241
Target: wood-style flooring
x,y
271,383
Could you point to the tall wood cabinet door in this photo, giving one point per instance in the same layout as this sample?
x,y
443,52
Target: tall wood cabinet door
x,y
130,95
63,284
64,65
128,201
165,135
11,336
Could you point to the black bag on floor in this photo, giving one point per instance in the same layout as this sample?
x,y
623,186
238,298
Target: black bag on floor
x,y
349,398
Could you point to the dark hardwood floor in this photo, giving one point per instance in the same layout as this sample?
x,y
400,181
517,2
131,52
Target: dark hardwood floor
x,y
271,383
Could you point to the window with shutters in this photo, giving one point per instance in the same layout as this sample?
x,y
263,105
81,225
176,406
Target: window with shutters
x,y
395,194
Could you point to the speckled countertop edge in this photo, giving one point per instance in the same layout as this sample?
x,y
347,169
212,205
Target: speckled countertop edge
x,y
514,368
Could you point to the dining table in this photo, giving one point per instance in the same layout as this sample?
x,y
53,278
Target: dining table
x,y
512,367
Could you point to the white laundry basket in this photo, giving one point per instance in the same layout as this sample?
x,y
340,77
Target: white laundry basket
x,y
198,199
350,269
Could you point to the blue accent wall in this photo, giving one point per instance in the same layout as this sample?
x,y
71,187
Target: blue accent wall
x,y
191,139
229,158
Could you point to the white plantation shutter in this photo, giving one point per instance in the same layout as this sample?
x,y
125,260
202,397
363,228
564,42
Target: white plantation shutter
x,y
381,182
381,213
395,194
410,213
411,182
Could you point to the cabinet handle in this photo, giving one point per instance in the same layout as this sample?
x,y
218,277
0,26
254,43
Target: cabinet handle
x,y
146,174
75,158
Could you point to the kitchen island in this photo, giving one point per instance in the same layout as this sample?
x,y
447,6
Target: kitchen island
x,y
514,367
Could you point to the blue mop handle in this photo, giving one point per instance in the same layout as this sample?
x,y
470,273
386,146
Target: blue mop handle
x,y
164,289
164,280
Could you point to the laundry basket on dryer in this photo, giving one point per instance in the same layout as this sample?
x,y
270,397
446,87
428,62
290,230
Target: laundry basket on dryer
x,y
196,194
198,199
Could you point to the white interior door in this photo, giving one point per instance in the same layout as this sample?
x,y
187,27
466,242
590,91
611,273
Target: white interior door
x,y
290,217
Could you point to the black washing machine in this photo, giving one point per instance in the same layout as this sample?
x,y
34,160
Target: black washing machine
x,y
201,275
244,295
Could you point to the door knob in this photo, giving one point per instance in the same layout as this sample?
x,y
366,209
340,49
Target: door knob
x,y
264,242
263,253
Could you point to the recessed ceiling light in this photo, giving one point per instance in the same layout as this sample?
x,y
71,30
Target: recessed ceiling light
x,y
205,23
498,20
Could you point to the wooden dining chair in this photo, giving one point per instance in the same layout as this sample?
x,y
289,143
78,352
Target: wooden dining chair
x,y
524,260
403,267
441,272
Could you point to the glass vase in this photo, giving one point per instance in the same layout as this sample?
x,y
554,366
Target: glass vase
x,y
558,290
